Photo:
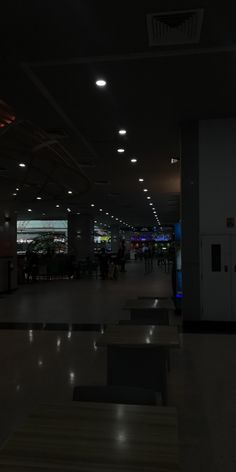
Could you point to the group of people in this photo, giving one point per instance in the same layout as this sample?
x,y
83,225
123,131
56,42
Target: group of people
x,y
112,264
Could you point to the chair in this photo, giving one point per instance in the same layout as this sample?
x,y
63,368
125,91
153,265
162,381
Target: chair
x,y
115,394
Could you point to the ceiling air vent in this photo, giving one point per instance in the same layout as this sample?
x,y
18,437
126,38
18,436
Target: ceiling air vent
x,y
176,27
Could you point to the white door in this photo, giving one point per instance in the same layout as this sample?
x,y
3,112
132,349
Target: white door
x,y
216,276
233,287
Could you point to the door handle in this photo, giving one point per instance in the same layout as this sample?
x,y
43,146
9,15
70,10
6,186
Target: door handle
x,y
226,268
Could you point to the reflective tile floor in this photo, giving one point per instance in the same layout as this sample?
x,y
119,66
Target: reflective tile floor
x,y
38,366
82,301
44,365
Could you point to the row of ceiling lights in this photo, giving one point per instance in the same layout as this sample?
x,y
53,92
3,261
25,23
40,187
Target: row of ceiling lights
x,y
92,205
102,83
113,217
122,132
141,180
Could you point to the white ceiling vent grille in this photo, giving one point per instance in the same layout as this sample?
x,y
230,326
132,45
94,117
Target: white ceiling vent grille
x,y
176,27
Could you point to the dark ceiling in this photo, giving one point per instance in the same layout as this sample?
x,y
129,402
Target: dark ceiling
x,y
66,128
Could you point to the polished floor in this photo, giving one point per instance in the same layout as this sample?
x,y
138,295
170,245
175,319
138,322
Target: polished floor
x,y
82,301
41,365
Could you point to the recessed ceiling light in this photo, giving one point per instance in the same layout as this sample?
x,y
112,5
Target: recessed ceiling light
x,y
145,190
112,216
44,214
17,189
68,209
101,83
92,205
22,164
100,209
133,160
107,213
174,160
95,221
38,198
57,206
120,221
150,204
78,213
141,180
14,194
148,198
122,131
117,219
120,150
69,192
29,209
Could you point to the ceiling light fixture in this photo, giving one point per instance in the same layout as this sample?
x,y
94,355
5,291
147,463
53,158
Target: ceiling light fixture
x,y
145,190
38,198
174,160
17,189
92,205
120,150
22,164
29,209
57,206
133,160
148,198
150,204
122,131
101,83
68,209
107,213
14,194
100,209
69,192
141,180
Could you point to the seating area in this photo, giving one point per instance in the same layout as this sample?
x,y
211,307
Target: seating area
x,y
117,236
48,359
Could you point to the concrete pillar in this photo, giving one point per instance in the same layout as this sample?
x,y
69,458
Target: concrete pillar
x,y
8,249
190,243
115,238
208,170
80,236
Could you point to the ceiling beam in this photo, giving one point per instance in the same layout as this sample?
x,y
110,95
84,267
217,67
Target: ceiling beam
x,y
133,56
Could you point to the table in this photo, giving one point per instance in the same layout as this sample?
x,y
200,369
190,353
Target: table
x,y
150,308
89,437
138,355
